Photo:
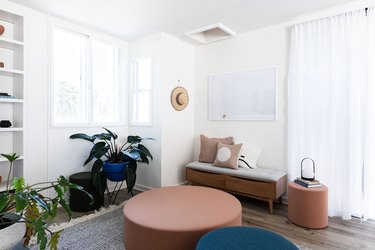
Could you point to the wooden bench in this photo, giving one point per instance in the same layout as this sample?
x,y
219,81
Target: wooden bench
x,y
260,183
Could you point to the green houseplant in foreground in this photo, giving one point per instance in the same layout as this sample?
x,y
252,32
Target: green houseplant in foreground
x,y
21,203
106,151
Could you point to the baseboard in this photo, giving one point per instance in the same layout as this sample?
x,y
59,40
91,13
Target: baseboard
x,y
142,188
184,183
284,200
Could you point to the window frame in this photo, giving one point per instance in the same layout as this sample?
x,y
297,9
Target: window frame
x,y
133,73
87,83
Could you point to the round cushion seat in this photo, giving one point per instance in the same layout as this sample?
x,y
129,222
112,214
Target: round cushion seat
x,y
238,238
177,217
78,200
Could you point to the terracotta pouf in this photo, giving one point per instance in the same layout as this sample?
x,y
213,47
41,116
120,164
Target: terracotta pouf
x,y
177,217
308,207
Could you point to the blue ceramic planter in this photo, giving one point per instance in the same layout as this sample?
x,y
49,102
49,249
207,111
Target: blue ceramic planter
x,y
115,171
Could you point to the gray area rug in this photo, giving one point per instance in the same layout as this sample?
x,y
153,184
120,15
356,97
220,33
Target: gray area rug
x,y
102,232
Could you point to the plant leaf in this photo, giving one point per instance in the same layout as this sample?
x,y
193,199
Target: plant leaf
x,y
132,139
21,201
11,157
131,175
18,183
103,136
133,154
96,167
39,201
83,136
97,151
66,184
114,136
39,226
144,151
32,212
54,240
62,202
3,202
98,185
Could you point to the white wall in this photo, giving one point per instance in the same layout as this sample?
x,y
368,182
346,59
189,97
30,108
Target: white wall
x,y
178,126
172,60
36,100
255,49
149,176
260,48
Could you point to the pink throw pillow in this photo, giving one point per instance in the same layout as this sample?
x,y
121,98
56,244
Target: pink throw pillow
x,y
209,147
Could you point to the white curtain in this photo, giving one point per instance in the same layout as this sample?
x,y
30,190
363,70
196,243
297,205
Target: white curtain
x,y
331,108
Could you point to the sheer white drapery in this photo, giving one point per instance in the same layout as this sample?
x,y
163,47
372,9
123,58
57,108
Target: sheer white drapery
x,y
331,108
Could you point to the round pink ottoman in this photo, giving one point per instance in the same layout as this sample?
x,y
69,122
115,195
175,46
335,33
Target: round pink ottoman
x,y
177,217
308,207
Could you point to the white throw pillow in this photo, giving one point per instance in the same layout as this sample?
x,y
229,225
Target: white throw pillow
x,y
249,155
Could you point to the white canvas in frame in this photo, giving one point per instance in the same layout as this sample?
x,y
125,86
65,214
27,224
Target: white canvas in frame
x,y
246,95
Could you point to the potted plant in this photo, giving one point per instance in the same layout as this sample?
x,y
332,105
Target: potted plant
x,y
26,212
118,161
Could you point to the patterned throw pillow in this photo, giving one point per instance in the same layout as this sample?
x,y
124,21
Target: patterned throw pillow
x,y
209,147
227,155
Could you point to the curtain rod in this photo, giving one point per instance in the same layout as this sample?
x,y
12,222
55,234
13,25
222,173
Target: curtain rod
x,y
295,22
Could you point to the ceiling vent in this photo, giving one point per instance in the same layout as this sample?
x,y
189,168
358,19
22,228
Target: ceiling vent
x,y
211,33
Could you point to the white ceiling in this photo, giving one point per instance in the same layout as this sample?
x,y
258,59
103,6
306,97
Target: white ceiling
x,y
131,19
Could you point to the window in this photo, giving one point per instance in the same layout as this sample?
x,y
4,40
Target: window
x,y
140,91
85,80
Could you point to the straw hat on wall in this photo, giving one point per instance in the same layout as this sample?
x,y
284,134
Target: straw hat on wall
x,y
179,98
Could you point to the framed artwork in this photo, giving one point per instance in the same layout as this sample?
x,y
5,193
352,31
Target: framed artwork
x,y
247,95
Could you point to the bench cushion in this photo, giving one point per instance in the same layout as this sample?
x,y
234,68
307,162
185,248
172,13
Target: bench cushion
x,y
262,174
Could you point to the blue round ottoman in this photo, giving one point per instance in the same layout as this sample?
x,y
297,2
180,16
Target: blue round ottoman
x,y
235,238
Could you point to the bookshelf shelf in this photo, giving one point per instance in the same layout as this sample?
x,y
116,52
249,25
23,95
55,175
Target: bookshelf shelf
x,y
11,100
11,129
10,43
10,72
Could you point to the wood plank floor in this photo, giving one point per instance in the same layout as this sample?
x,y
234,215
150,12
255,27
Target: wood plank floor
x,y
339,234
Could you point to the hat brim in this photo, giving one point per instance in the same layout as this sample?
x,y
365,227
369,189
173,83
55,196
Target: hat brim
x,y
174,95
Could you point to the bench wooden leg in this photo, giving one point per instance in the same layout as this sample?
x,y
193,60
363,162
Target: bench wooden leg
x,y
270,204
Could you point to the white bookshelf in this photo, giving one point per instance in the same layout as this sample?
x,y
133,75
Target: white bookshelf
x,y
12,82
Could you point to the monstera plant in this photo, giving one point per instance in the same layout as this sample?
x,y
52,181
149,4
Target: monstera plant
x,y
22,204
119,161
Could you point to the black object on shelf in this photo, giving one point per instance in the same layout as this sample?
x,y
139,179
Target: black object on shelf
x,y
79,201
5,124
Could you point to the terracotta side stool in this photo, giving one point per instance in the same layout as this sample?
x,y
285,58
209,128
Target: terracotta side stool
x,y
172,218
308,207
